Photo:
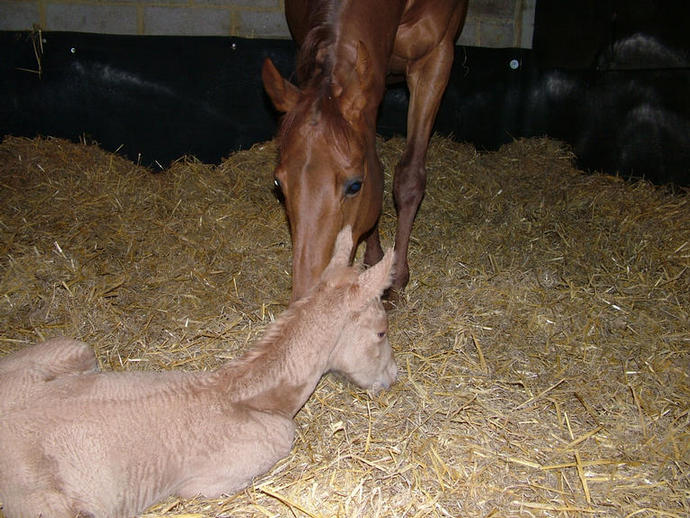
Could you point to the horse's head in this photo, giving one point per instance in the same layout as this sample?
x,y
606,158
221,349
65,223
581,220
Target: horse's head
x,y
328,171
362,352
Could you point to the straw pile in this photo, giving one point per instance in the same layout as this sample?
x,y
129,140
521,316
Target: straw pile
x,y
543,340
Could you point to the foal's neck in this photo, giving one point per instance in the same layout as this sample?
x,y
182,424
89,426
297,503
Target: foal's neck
x,y
282,370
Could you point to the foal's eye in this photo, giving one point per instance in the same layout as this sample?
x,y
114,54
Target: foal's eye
x,y
353,186
381,334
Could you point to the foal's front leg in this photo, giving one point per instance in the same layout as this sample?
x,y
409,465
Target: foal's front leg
x,y
241,446
426,80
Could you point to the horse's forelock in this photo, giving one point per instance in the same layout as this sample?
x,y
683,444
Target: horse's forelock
x,y
318,112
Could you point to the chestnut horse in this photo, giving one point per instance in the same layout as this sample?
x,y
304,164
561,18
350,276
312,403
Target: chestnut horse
x,y
328,170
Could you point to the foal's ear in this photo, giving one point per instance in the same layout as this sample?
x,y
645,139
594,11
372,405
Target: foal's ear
x,y
343,248
282,92
374,281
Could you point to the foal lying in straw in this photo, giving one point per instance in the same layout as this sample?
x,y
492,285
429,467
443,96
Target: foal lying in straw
x,y
74,442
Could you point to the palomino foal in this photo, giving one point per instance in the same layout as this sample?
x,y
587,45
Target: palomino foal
x,y
111,444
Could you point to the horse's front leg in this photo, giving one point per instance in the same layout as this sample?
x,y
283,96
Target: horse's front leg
x,y
373,252
250,445
426,80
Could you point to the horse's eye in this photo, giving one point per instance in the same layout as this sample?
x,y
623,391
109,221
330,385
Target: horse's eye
x,y
381,334
276,183
353,186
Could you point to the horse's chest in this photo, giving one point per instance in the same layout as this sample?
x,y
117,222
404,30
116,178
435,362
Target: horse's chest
x,y
251,445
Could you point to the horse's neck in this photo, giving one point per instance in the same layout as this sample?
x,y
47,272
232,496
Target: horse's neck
x,y
374,24
282,371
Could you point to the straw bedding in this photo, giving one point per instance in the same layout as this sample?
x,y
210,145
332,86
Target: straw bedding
x,y
543,341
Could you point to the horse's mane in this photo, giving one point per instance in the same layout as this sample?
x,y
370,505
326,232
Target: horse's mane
x,y
315,66
233,375
314,58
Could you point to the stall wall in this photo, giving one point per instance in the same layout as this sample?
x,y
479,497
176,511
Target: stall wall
x,y
490,23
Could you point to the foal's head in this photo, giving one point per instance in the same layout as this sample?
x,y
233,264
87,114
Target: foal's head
x,y
362,353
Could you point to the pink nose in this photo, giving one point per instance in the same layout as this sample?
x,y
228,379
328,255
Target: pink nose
x,y
388,377
392,372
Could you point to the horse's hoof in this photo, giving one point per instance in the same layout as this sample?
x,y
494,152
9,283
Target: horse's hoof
x,y
393,298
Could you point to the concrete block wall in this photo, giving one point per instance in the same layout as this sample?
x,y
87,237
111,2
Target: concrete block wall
x,y
490,23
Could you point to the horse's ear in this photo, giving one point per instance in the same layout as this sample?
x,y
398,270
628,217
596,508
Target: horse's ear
x,y
343,248
374,281
352,94
282,92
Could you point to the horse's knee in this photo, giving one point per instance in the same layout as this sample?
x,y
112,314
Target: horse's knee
x,y
73,357
400,280
409,185
373,252
24,374
51,358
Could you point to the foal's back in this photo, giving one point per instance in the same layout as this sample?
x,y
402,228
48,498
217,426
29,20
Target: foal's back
x,y
148,434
